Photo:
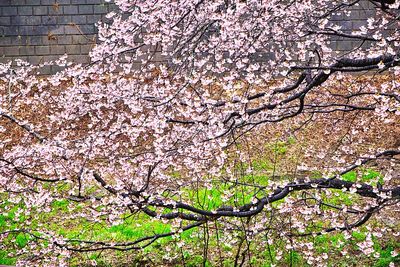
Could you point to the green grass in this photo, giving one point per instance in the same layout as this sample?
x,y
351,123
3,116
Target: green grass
x,y
365,176
139,225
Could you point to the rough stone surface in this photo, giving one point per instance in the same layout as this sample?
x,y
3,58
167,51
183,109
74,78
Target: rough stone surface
x,y
40,30
43,30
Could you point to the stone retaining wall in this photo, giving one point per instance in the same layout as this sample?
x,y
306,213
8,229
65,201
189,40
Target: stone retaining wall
x,y
42,30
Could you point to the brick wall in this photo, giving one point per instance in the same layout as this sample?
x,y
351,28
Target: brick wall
x,y
42,30
359,15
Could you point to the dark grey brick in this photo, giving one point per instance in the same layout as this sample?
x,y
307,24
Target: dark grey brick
x,y
364,5
64,19
5,21
46,70
9,11
49,20
50,39
25,10
57,49
93,18
368,13
111,7
48,2
64,39
346,25
26,50
54,10
368,43
87,29
36,60
79,39
73,49
40,10
33,20
42,50
25,30
85,9
72,30
79,59
10,31
40,30
344,45
33,2
5,2
58,30
5,40
11,50
79,19
81,2
20,40
35,40
55,68
355,14
95,1
358,23
100,9
85,49
70,9
18,20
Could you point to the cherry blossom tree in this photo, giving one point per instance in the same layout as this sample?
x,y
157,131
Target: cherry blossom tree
x,y
177,98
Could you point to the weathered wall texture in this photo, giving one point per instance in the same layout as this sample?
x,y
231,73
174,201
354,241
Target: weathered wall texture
x,y
358,17
42,30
